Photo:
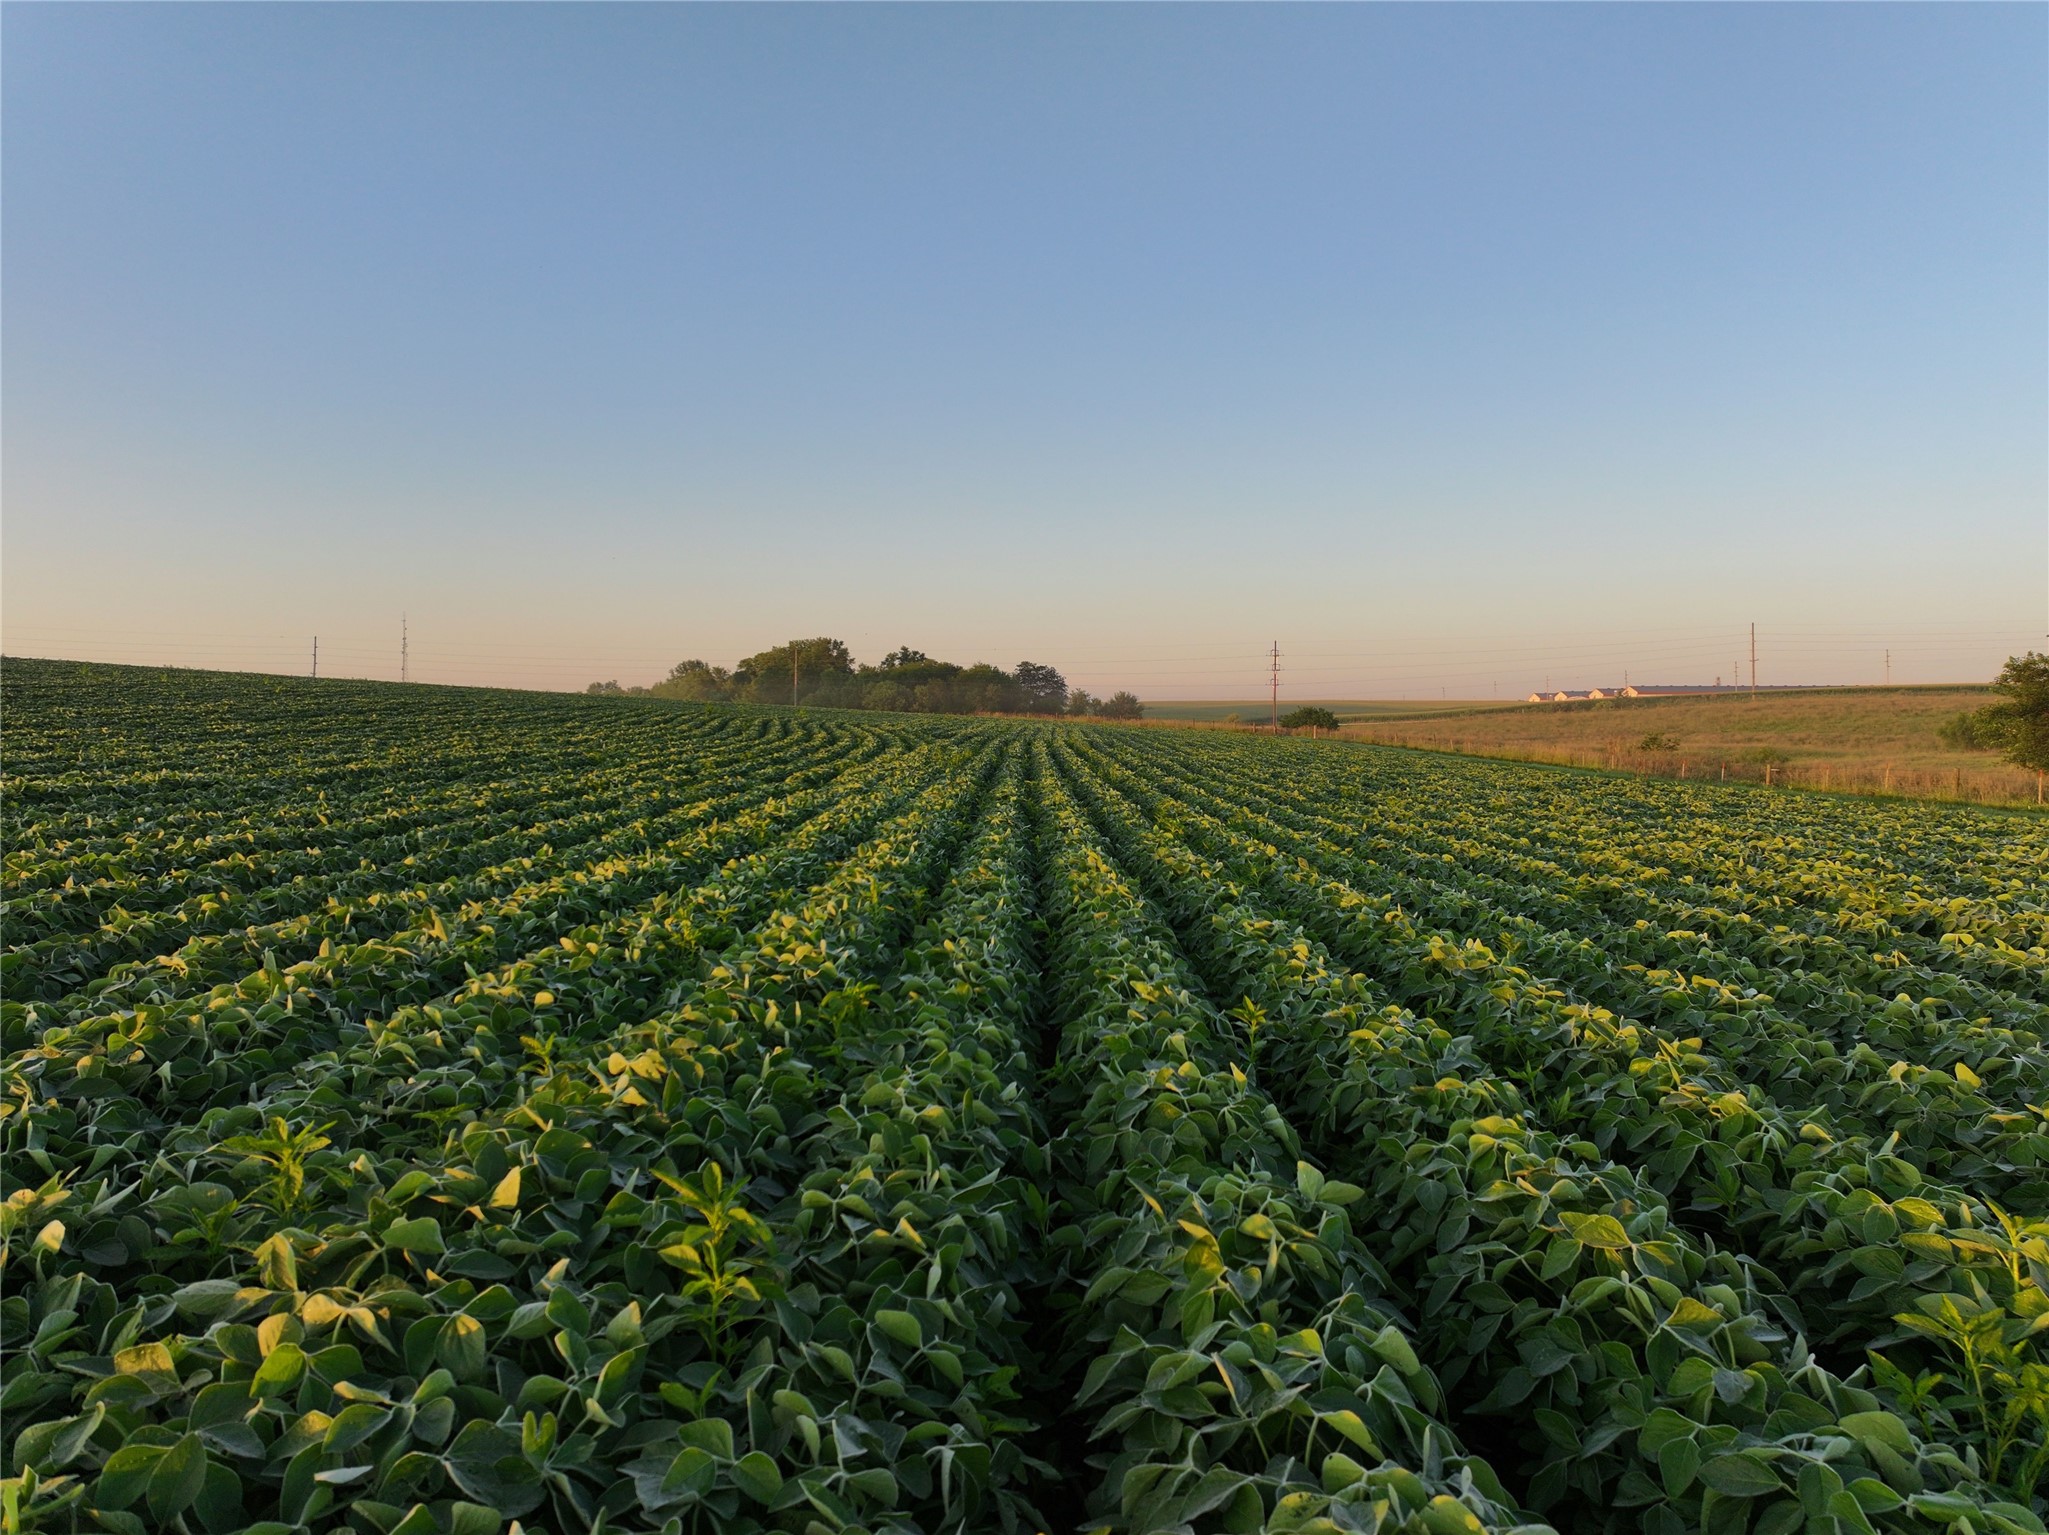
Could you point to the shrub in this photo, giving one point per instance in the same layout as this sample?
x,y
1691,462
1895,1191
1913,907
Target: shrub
x,y
1969,732
1310,717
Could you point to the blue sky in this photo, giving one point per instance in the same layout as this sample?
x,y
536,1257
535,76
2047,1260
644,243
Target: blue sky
x,y
1456,347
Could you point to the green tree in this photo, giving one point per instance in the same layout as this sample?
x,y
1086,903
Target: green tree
x,y
2019,726
886,695
1967,733
1041,689
986,689
1310,717
910,680
696,682
1122,706
768,677
1082,701
608,688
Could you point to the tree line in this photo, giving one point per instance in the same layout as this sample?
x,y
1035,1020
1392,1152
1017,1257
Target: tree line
x,y
822,673
2018,725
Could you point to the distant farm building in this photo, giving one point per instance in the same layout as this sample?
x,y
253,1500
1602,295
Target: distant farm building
x,y
1592,695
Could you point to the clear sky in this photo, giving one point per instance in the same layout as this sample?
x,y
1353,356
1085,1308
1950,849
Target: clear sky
x,y
1455,347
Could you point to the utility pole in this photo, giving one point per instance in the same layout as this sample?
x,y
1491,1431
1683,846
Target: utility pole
x,y
1888,666
1753,663
316,655
405,659
1277,687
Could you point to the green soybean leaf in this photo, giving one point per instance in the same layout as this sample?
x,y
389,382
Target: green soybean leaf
x,y
415,1236
901,1326
757,1476
1740,1476
177,1478
125,1476
1595,1230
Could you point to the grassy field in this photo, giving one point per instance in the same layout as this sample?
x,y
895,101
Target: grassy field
x,y
1867,740
1256,711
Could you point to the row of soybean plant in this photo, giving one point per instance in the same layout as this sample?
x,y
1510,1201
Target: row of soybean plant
x,y
1767,878
456,1393
1985,1135
308,847
465,1014
620,848
1235,1341
1812,946
1855,1221
1659,1380
364,884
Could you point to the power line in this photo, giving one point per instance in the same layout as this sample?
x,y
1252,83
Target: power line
x,y
1817,654
1664,642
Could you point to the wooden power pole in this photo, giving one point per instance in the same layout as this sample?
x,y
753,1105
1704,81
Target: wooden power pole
x,y
1277,687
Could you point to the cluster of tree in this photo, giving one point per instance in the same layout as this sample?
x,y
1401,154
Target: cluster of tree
x,y
2018,725
822,673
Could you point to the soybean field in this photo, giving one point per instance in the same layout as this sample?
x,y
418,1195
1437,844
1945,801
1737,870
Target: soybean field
x,y
449,1112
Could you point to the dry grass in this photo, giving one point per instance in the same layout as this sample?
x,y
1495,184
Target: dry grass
x,y
1861,740
1257,711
